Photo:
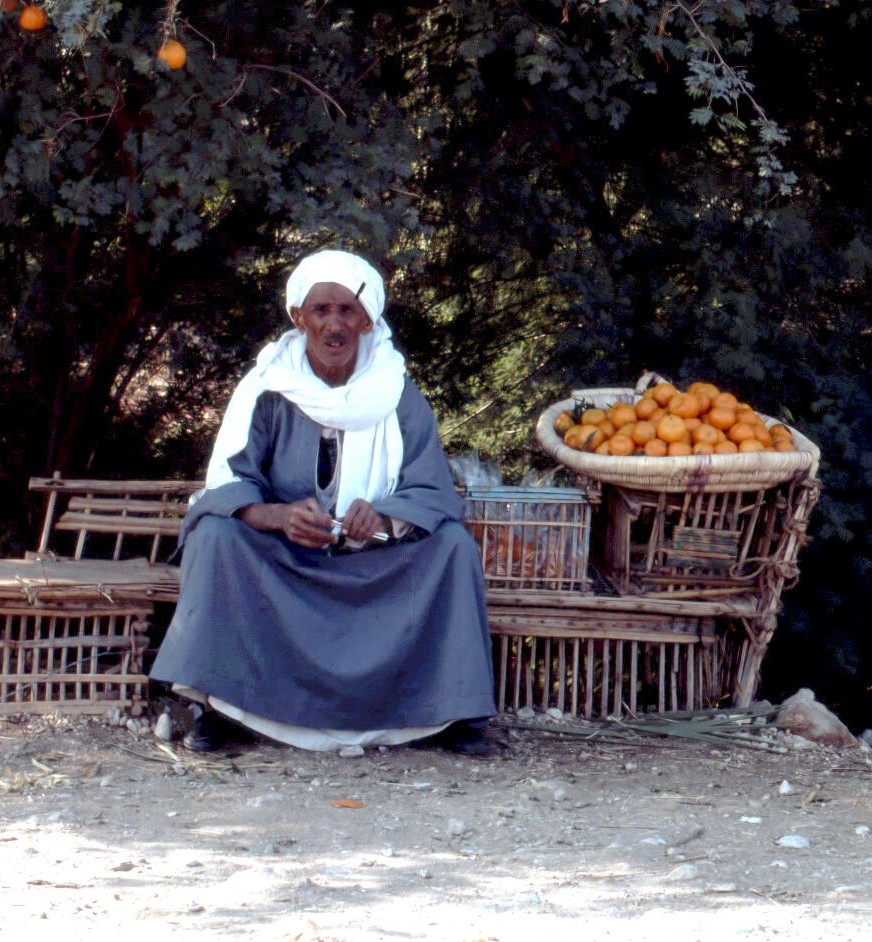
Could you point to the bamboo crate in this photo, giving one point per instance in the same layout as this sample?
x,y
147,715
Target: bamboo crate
x,y
532,539
77,660
705,544
647,665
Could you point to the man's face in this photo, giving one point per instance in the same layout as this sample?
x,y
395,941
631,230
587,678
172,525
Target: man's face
x,y
333,321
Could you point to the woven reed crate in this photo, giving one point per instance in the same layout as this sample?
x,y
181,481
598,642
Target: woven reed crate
x,y
594,669
81,660
533,540
705,544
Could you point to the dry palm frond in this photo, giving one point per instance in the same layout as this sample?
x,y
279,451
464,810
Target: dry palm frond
x,y
729,727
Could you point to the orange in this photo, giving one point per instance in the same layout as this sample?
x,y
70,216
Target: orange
x,y
593,416
692,423
678,449
726,447
751,444
584,437
32,18
655,448
703,448
684,404
657,415
779,431
707,389
671,428
602,449
740,432
564,422
721,417
662,393
608,428
621,445
643,432
782,444
621,413
725,400
645,407
761,433
626,430
173,53
705,434
7,6
705,402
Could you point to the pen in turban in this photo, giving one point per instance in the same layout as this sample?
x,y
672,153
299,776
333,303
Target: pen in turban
x,y
341,268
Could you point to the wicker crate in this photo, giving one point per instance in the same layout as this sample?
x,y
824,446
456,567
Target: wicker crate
x,y
79,661
532,540
703,545
648,665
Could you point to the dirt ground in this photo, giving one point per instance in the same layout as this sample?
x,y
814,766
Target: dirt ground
x,y
106,831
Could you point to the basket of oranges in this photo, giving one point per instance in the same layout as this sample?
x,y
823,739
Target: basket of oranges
x,y
663,438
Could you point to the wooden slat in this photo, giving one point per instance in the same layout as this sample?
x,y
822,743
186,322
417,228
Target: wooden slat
x,y
122,505
627,603
588,692
618,701
96,486
576,679
106,523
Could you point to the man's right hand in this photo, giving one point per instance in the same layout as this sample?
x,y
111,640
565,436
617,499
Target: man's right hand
x,y
302,522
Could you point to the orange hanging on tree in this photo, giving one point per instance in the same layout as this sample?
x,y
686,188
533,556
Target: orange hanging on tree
x,y
32,18
173,53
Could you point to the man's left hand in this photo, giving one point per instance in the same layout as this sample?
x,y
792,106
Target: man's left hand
x,y
362,520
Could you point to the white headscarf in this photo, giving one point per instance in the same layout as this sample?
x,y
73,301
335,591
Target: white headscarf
x,y
364,408
341,268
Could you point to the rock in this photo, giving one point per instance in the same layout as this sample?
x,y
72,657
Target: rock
x,y
685,871
351,752
804,716
554,713
862,830
785,788
866,737
456,827
793,840
163,728
526,713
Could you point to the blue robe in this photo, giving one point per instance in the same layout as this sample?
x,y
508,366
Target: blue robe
x,y
390,637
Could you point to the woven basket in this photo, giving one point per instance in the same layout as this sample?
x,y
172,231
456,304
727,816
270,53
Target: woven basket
x,y
742,472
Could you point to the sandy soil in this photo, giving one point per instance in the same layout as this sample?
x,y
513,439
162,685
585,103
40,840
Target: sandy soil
x,y
107,832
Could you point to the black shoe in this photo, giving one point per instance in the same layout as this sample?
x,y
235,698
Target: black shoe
x,y
211,732
461,738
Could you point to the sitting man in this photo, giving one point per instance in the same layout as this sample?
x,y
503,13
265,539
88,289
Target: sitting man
x,y
330,594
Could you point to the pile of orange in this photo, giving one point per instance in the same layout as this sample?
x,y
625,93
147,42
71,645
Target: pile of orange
x,y
701,420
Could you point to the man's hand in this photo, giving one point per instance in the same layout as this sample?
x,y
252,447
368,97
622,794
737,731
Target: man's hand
x,y
302,522
362,520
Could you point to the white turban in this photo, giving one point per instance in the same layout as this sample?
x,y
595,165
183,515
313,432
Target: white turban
x,y
341,268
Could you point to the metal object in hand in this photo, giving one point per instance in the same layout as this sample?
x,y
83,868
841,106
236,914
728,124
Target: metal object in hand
x,y
378,536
